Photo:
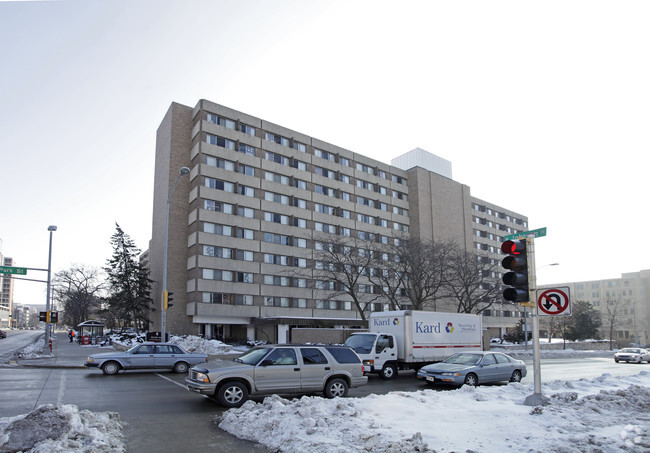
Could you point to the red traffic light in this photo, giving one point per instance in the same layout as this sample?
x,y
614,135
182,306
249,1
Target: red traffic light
x,y
514,247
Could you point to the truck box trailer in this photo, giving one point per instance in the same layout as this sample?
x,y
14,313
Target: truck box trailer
x,y
410,339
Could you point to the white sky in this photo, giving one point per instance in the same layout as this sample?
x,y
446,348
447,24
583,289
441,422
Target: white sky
x,y
558,88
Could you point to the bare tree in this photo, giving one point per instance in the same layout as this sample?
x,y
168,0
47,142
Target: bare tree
x,y
345,263
79,289
471,281
613,312
415,270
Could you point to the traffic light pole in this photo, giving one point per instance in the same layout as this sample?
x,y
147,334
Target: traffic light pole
x,y
536,399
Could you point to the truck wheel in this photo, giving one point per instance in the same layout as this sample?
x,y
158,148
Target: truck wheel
x,y
388,372
336,388
232,394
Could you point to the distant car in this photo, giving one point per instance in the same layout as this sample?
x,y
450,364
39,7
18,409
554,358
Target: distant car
x,y
473,368
154,356
636,355
3,334
282,369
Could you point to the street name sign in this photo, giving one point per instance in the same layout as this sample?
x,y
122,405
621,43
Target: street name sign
x,y
538,233
13,270
553,301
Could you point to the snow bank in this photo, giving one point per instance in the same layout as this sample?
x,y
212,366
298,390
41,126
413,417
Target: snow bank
x,y
608,414
193,343
50,429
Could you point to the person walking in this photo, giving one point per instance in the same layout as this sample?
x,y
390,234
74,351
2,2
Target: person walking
x,y
71,335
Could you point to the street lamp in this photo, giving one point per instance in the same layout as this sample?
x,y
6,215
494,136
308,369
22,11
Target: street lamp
x,y
51,229
163,316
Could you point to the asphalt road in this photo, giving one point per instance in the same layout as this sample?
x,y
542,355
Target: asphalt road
x,y
163,416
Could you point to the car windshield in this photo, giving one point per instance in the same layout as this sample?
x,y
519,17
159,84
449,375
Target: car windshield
x,y
631,351
361,343
133,349
464,359
253,356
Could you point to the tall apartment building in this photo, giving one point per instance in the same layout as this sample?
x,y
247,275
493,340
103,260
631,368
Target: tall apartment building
x,y
243,221
6,293
622,302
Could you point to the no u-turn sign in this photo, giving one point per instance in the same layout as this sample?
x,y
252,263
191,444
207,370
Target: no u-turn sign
x,y
553,301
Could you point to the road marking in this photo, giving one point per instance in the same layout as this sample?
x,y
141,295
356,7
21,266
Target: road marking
x,y
59,397
174,382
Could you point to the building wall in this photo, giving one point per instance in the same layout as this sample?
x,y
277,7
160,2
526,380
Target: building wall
x,y
624,299
243,222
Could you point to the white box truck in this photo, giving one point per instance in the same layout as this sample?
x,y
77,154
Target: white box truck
x,y
409,339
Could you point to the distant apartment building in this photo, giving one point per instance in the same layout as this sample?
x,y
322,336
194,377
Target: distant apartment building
x,y
623,304
6,294
242,222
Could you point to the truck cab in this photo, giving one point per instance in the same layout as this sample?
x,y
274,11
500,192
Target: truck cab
x,y
378,351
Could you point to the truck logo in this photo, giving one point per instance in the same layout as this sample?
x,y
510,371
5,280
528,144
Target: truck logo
x,y
396,322
421,327
449,328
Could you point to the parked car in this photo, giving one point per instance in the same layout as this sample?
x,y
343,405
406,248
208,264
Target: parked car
x,y
283,369
154,356
473,368
3,334
632,355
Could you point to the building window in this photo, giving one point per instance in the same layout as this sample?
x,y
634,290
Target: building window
x,y
213,228
277,158
246,170
246,129
277,139
216,119
277,218
220,141
275,177
220,163
325,155
218,252
247,149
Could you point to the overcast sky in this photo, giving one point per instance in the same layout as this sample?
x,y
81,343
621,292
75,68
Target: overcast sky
x,y
557,91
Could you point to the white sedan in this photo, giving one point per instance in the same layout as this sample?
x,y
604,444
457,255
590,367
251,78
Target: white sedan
x,y
636,355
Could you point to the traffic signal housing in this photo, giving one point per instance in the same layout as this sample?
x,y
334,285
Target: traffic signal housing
x,y
167,298
517,263
42,316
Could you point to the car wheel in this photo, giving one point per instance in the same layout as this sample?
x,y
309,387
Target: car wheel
x,y
336,388
181,367
388,372
232,394
471,379
516,376
616,360
111,368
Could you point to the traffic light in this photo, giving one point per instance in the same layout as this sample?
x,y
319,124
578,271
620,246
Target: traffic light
x,y
42,316
517,278
54,317
167,298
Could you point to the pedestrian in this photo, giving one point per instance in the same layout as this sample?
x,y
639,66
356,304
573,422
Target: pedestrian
x,y
71,335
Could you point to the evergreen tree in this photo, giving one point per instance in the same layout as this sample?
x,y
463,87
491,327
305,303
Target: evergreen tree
x,y
128,282
583,323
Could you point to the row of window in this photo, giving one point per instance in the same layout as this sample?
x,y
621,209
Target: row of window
x,y
294,144
295,163
499,214
498,226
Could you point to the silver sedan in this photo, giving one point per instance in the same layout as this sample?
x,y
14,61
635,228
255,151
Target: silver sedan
x,y
473,368
636,355
154,356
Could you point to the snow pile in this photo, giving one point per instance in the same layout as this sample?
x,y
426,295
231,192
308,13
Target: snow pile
x,y
34,351
608,414
64,428
193,343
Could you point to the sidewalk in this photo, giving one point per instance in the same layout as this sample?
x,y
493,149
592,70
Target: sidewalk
x,y
65,354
